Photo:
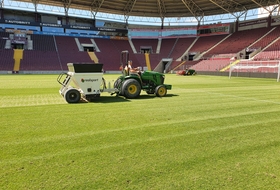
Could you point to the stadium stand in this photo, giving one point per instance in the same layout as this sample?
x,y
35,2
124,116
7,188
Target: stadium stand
x,y
181,46
3,36
155,60
43,42
109,55
237,42
140,59
271,52
266,39
145,44
206,42
85,40
211,65
54,52
36,60
7,60
182,65
167,45
68,51
122,45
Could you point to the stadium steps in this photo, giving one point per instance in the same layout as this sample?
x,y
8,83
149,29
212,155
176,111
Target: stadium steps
x,y
132,45
173,47
148,63
93,57
232,64
80,47
95,45
186,52
270,31
18,54
203,53
182,63
158,45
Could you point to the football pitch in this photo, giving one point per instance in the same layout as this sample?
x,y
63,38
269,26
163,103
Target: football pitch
x,y
209,132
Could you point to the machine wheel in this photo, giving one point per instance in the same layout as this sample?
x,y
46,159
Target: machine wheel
x,y
131,88
117,85
72,96
102,85
161,91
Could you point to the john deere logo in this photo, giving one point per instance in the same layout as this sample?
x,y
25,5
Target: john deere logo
x,y
89,80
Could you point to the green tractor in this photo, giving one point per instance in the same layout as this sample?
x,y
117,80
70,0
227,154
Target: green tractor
x,y
130,84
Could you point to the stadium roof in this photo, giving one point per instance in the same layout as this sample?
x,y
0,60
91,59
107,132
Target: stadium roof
x,y
160,8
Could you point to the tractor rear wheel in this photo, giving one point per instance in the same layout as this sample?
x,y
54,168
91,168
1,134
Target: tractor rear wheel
x,y
131,88
72,96
161,90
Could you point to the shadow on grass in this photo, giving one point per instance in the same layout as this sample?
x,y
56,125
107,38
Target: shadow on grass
x,y
110,99
116,99
147,96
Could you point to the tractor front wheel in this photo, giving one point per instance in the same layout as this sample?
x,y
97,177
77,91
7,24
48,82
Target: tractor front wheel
x,y
72,96
161,90
131,88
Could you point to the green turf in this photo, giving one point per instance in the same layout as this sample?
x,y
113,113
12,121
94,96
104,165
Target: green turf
x,y
207,133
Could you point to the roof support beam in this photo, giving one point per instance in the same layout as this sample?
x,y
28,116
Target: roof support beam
x,y
161,8
66,5
35,3
128,8
194,9
261,3
162,11
264,3
231,7
95,6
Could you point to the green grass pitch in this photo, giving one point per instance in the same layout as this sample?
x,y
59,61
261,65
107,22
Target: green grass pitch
x,y
209,132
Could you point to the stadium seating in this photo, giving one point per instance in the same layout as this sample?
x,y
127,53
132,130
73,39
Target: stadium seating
x,y
272,52
179,65
206,42
181,46
7,60
36,60
68,51
109,55
85,40
237,42
263,42
211,65
138,43
166,47
122,45
52,53
43,42
3,36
